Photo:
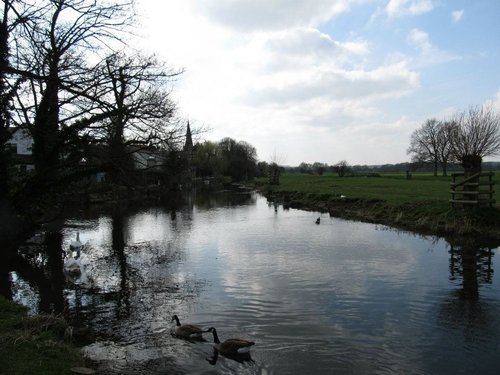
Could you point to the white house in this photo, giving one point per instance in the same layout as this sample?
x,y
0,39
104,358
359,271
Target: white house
x,y
21,144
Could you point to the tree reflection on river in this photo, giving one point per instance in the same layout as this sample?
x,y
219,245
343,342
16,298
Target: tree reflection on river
x,y
340,297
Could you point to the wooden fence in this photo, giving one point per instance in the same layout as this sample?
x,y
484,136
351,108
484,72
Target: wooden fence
x,y
474,190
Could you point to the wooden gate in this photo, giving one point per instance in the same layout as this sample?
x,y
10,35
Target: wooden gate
x,y
474,190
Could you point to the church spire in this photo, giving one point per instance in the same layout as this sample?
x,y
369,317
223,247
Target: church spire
x,y
188,146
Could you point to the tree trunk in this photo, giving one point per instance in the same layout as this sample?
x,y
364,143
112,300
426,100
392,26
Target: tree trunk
x,y
472,166
46,126
444,165
4,104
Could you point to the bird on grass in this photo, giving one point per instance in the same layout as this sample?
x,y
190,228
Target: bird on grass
x,y
186,331
230,346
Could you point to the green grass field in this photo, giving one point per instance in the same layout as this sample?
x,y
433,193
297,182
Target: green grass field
x,y
392,188
419,204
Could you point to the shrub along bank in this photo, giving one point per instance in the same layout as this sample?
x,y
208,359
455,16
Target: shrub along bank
x,y
34,344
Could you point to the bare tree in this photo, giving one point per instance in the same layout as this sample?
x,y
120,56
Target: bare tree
x,y
444,144
341,168
476,135
16,15
424,144
131,94
57,52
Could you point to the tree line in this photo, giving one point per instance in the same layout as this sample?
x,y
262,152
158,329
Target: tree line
x,y
228,157
70,80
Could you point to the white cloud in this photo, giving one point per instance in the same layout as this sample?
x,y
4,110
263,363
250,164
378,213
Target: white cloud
x,y
420,40
457,15
251,15
398,8
495,102
287,86
428,53
389,81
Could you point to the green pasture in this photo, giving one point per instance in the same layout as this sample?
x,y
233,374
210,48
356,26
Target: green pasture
x,y
392,188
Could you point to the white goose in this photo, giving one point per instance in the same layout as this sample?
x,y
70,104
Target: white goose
x,y
73,267
76,245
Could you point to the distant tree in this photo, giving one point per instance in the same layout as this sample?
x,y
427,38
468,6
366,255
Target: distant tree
x,y
208,159
432,144
240,159
341,168
305,168
476,134
262,169
424,144
319,168
444,145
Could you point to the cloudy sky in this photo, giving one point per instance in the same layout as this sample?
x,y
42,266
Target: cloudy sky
x,y
325,80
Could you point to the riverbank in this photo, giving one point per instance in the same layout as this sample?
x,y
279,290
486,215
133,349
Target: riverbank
x,y
419,205
35,344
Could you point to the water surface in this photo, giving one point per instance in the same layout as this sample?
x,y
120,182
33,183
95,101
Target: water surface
x,y
341,297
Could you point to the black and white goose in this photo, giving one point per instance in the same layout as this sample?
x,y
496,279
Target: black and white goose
x,y
186,331
230,346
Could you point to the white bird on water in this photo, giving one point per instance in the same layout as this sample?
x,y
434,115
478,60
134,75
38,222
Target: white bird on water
x,y
76,244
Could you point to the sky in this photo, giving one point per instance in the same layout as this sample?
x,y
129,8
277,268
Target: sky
x,y
325,80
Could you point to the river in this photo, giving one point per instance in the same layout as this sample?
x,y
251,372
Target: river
x,y
339,297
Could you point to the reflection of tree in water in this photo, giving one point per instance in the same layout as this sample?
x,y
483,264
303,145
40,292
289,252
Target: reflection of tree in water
x,y
208,200
118,247
472,262
40,264
464,309
135,286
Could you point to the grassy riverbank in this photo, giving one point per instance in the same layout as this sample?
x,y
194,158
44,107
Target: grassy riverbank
x,y
34,345
419,204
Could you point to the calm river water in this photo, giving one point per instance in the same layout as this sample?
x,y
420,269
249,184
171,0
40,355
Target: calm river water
x,y
340,297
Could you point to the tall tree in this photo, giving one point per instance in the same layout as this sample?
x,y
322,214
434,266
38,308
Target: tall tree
x,y
132,96
424,144
54,55
208,159
476,135
444,145
16,14
240,159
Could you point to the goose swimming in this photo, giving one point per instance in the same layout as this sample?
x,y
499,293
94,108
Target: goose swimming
x,y
186,331
230,346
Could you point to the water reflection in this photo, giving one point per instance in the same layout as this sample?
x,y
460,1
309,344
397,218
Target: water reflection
x,y
240,358
340,297
118,242
471,260
466,309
